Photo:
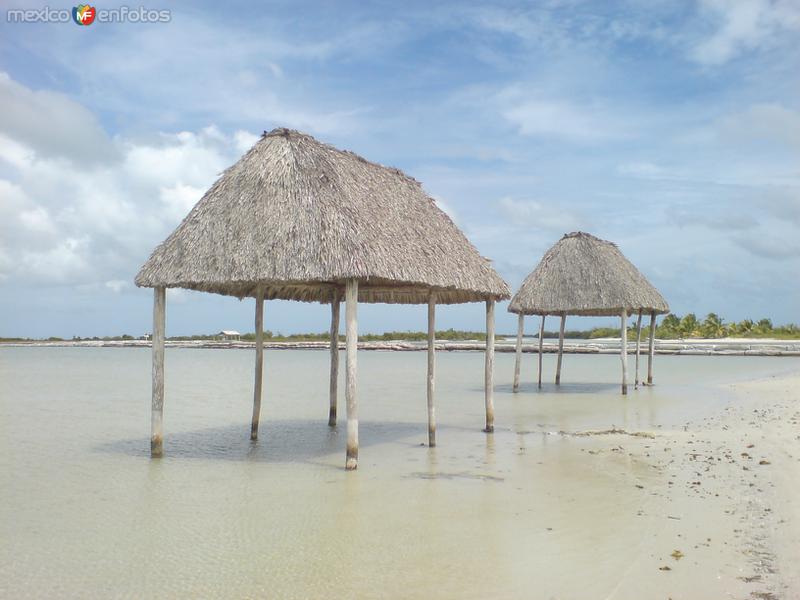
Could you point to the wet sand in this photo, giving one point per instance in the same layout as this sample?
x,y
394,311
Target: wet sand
x,y
686,490
718,506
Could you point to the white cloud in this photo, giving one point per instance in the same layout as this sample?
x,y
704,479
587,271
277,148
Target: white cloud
x,y
14,153
180,198
244,140
765,245
48,123
540,214
117,285
447,208
643,169
764,122
744,25
249,83
93,225
66,261
565,120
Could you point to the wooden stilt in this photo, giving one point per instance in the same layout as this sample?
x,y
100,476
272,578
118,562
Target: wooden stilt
x,y
560,348
351,318
518,358
489,367
157,406
651,348
335,302
259,363
541,344
431,368
623,354
638,346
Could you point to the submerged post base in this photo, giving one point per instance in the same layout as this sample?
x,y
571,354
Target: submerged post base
x,y
352,463
156,447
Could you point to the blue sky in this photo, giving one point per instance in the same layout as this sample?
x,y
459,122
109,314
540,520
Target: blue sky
x,y
671,128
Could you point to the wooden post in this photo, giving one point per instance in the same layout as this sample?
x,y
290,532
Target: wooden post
x,y
541,344
431,368
157,407
518,359
560,348
489,367
351,319
623,353
259,363
638,345
651,348
335,302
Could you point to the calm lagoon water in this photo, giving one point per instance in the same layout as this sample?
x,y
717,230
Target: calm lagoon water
x,y
85,513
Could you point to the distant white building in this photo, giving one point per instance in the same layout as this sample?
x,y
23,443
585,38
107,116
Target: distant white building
x,y
229,334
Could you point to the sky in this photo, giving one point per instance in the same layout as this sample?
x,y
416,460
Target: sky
x,y
669,127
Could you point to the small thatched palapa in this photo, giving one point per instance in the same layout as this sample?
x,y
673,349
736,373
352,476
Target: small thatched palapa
x,y
584,275
297,219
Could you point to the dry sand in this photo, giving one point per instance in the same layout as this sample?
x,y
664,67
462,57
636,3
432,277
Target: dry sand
x,y
722,515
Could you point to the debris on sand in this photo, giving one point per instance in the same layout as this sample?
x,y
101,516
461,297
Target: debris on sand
x,y
677,554
612,431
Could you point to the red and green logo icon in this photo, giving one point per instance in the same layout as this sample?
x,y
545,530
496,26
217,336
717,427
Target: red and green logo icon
x,y
83,14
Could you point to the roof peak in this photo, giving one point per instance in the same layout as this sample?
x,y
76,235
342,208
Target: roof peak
x,y
284,132
583,234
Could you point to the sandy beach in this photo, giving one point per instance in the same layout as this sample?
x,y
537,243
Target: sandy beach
x,y
717,506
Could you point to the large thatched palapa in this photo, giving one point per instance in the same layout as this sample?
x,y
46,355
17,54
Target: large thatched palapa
x,y
297,219
584,275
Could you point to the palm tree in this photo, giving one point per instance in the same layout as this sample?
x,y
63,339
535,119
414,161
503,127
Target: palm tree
x,y
744,327
764,326
689,325
669,328
713,326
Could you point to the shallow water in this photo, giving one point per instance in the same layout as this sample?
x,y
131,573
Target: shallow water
x,y
85,513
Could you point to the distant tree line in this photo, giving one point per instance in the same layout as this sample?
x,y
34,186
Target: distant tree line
x,y
713,326
671,327
408,336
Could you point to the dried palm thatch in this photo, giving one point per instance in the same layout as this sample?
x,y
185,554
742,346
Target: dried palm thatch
x,y
297,218
584,275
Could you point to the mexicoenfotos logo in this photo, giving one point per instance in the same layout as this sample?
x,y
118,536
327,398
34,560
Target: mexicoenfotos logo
x,y
83,14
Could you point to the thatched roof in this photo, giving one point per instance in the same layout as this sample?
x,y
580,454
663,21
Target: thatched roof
x,y
298,217
584,275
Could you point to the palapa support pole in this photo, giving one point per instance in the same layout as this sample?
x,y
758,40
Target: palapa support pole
x,y
541,345
335,303
351,319
623,352
157,406
489,367
651,348
431,368
638,345
518,359
259,377
560,348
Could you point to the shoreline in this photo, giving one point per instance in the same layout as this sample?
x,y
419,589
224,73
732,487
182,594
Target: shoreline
x,y
694,347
